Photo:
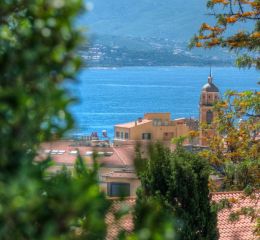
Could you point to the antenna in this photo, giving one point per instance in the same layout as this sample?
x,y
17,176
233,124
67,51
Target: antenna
x,y
210,78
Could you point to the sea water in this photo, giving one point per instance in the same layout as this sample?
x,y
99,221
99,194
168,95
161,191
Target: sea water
x,y
109,96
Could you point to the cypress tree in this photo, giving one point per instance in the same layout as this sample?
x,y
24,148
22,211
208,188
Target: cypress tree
x,y
180,181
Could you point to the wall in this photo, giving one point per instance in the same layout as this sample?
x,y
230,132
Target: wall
x,y
162,116
174,129
122,130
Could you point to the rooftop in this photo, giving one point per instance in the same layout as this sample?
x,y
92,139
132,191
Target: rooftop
x,y
65,153
210,87
241,229
133,124
125,223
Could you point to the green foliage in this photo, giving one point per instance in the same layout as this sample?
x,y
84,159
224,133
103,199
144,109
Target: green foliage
x,y
179,141
179,180
59,206
37,53
37,44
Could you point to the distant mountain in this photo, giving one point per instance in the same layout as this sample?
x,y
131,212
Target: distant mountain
x,y
173,19
122,31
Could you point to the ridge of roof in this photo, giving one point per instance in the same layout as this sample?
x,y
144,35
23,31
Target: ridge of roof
x,y
231,192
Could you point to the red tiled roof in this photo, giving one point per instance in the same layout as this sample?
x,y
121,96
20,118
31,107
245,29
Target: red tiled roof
x,y
123,224
121,156
243,228
238,230
125,153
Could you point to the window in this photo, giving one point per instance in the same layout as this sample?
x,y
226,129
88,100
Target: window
x,y
122,135
209,117
116,189
168,135
146,136
157,122
126,135
117,134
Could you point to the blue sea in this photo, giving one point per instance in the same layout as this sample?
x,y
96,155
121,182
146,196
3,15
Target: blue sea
x,y
108,96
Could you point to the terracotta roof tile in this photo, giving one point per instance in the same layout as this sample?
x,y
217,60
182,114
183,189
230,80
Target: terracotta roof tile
x,y
244,227
125,223
121,156
238,230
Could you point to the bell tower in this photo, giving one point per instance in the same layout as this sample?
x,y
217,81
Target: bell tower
x,y
209,95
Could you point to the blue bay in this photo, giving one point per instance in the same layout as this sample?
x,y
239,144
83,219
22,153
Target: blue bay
x,y
108,96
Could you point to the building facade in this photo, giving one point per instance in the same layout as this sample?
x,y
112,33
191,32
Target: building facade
x,y
209,96
153,127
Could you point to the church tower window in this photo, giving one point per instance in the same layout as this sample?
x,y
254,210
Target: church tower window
x,y
209,117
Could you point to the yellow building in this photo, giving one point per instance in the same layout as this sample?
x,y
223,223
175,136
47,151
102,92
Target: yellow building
x,y
153,127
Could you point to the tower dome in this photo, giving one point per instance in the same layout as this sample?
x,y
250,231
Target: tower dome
x,y
210,86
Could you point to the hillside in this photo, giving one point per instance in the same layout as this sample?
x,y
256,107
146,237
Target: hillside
x,y
171,19
121,32
115,51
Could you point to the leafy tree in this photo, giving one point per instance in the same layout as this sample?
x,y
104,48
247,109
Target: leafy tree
x,y
37,53
234,150
179,180
227,14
